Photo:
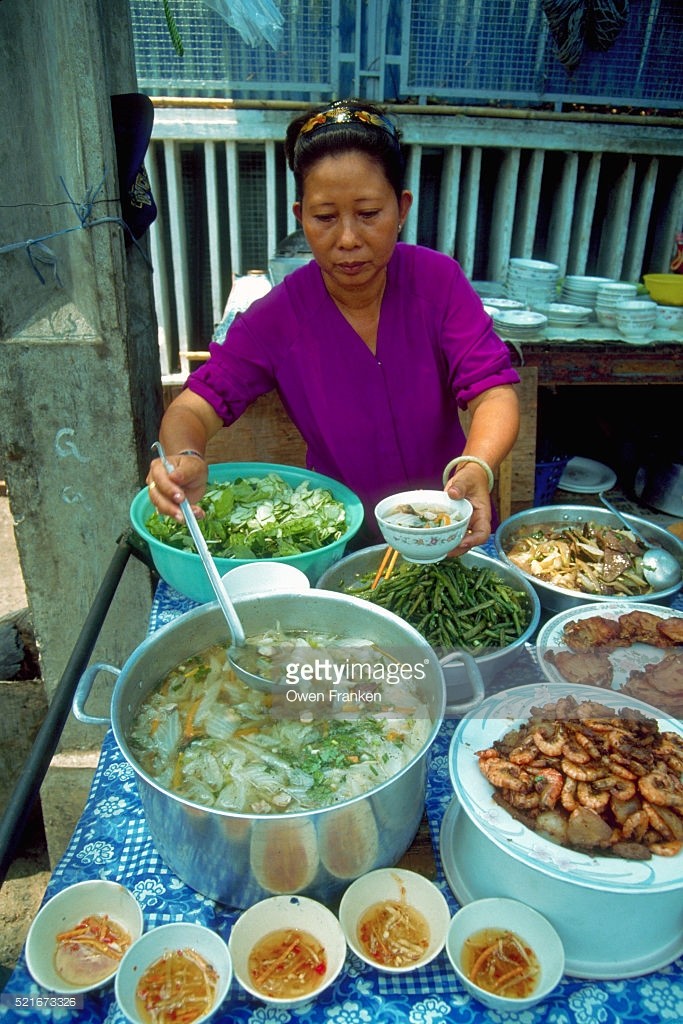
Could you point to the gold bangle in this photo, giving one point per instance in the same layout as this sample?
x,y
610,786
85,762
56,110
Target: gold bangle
x,y
470,458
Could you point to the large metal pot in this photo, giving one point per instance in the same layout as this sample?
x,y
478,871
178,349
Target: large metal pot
x,y
238,859
466,677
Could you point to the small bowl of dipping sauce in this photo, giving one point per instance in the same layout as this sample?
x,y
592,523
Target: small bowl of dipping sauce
x,y
286,950
423,525
179,971
505,954
394,920
77,941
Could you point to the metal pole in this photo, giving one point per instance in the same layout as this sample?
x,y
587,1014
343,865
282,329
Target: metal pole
x,y
38,761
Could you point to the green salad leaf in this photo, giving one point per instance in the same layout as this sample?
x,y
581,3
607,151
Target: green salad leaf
x,y
259,517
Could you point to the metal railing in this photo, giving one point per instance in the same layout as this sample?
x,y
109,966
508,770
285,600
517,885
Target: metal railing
x,y
594,194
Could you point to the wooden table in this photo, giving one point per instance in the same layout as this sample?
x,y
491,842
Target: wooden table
x,y
578,357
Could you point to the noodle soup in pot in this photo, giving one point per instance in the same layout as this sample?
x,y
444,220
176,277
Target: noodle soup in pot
x,y
245,797
208,737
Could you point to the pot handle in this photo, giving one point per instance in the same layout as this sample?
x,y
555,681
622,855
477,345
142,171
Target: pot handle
x,y
83,692
475,680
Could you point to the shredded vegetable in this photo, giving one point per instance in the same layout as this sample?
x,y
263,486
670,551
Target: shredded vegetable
x,y
205,735
259,517
499,961
287,963
177,988
393,933
91,950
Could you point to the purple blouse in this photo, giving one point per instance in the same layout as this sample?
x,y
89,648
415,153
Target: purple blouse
x,y
378,423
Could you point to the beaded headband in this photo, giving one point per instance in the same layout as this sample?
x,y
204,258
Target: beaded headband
x,y
348,115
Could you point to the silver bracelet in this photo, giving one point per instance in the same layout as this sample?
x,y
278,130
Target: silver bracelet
x,y
191,451
469,458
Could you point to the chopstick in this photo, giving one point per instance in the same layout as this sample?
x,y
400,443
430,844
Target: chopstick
x,y
388,562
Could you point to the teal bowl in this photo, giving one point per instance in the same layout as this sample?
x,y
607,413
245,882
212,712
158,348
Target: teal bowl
x,y
183,570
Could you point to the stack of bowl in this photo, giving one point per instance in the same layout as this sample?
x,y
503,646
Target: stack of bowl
x,y
534,282
581,290
635,319
608,295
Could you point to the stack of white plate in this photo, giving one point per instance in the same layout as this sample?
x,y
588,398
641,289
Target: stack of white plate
x,y
582,291
533,282
520,324
608,296
561,314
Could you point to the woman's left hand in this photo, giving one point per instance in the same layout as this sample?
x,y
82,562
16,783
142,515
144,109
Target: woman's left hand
x,y
471,482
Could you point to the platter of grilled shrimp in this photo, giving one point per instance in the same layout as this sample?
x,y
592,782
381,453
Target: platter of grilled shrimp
x,y
576,783
636,649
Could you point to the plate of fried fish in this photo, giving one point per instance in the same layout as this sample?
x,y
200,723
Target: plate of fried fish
x,y
634,648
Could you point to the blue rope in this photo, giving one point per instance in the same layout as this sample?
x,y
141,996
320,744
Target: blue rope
x,y
84,213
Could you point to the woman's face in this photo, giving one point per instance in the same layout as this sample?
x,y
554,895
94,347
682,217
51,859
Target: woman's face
x,y
350,216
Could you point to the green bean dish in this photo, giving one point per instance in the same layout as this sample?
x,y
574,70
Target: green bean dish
x,y
450,604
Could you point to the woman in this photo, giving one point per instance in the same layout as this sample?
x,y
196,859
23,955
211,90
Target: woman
x,y
372,346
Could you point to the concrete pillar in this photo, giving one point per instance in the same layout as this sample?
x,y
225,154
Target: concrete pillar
x,y
80,382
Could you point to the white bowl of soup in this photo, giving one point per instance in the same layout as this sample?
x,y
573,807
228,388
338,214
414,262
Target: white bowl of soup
x,y
286,950
505,954
395,920
423,525
173,969
77,941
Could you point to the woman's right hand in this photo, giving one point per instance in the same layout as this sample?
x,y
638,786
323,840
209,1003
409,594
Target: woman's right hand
x,y
187,480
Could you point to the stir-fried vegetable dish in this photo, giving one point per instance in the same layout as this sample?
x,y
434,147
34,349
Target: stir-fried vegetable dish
x,y
452,605
178,988
211,739
588,557
499,961
258,517
287,963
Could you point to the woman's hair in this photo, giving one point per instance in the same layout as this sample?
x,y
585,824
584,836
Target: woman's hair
x,y
343,126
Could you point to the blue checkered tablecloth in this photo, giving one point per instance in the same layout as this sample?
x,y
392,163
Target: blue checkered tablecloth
x,y
111,841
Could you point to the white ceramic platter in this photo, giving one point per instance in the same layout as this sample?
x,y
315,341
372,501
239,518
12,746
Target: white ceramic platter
x,y
624,659
617,918
594,947
491,721
586,476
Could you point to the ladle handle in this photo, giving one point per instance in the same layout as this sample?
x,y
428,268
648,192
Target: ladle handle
x,y
629,526
205,555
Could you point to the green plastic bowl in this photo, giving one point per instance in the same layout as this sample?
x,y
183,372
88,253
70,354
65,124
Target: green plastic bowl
x,y
183,570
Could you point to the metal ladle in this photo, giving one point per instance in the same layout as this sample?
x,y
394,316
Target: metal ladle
x,y
228,608
660,568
